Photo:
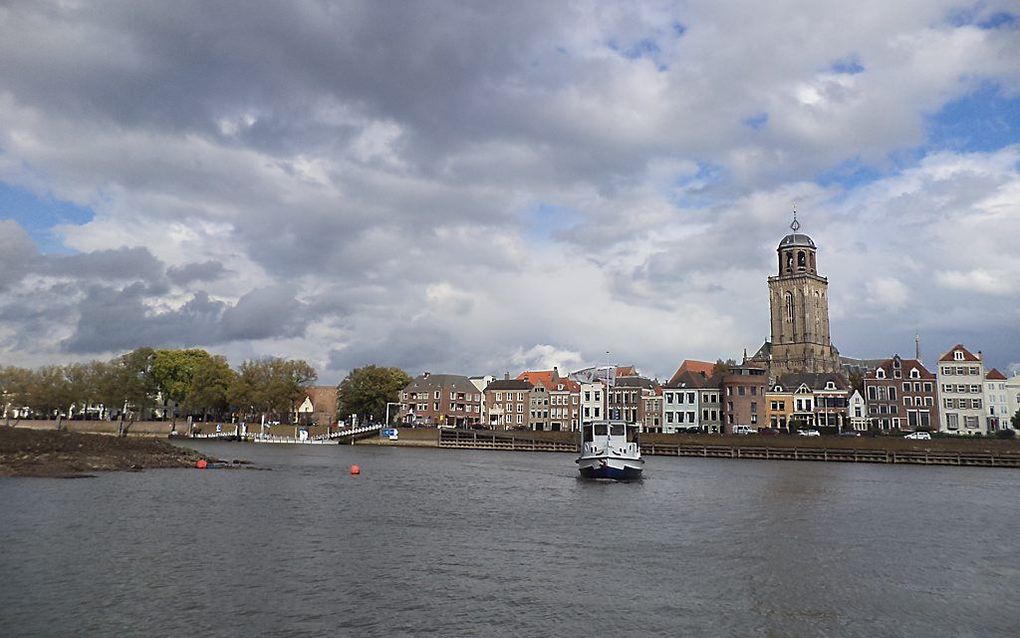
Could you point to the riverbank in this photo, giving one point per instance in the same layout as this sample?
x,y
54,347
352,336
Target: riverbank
x,y
48,453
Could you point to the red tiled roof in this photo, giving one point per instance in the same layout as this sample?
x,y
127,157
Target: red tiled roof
x,y
550,380
906,365
626,371
967,355
694,367
995,375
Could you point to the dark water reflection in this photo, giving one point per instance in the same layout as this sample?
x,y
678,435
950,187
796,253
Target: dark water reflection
x,y
463,543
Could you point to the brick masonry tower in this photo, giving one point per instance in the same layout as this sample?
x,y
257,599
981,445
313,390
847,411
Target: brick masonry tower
x,y
800,310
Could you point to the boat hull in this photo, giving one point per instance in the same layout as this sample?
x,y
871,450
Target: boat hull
x,y
617,469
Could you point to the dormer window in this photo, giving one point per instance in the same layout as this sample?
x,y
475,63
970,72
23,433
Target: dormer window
x,y
880,373
914,374
829,385
957,355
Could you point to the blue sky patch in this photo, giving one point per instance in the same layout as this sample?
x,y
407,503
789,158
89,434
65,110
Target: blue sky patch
x,y
849,65
694,191
996,20
757,121
984,120
849,174
643,48
39,214
548,220
972,16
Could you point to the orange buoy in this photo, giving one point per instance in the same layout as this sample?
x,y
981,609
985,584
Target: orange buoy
x,y
355,470
202,464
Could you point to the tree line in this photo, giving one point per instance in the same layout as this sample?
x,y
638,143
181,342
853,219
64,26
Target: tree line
x,y
167,383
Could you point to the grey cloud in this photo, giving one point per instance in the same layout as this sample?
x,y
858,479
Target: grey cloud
x,y
110,320
209,270
18,253
117,264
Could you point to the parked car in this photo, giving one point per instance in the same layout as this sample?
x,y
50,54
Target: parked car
x,y
767,431
808,433
849,433
919,436
744,429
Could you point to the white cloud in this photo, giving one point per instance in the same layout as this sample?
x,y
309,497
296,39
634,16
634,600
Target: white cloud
x,y
390,187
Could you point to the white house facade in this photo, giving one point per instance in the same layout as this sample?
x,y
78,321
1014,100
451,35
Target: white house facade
x,y
961,385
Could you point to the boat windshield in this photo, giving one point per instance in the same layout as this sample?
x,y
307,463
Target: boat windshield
x,y
617,429
632,434
600,429
588,433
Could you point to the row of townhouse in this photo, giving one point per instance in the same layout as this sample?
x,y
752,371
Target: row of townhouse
x,y
959,397
535,400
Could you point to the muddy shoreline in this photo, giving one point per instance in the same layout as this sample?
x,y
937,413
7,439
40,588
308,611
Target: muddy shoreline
x,y
42,453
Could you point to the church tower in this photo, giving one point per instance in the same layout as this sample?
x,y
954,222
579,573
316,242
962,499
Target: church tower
x,y
800,310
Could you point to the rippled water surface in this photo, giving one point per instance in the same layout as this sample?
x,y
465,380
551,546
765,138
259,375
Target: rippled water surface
x,y
474,543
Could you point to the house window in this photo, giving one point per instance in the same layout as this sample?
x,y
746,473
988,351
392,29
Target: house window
x,y
906,387
957,355
880,373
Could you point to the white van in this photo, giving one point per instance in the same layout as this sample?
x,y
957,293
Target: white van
x,y
744,429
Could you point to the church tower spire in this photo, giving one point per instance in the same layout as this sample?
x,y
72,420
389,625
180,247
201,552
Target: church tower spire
x,y
798,299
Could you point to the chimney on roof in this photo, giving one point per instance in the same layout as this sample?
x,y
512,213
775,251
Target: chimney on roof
x,y
506,376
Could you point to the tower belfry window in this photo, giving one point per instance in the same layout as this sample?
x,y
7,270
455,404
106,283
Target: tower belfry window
x,y
801,263
789,306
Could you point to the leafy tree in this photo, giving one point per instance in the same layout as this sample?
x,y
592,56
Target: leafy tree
x,y
367,390
49,392
174,370
856,380
270,386
1015,420
723,367
208,388
127,382
14,384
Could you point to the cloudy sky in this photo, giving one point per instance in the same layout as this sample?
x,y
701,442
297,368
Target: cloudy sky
x,y
475,188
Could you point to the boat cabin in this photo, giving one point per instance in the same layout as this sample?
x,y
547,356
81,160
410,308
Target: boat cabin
x,y
616,435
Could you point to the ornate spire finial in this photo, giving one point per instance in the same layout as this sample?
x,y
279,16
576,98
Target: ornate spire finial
x,y
795,226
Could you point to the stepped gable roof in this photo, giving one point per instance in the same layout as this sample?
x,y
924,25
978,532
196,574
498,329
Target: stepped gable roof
x,y
635,382
906,365
967,354
509,384
814,380
427,382
692,365
995,375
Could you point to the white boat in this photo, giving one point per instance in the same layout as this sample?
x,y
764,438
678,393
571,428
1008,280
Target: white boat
x,y
610,450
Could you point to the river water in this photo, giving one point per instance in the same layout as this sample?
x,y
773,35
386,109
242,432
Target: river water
x,y
476,543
